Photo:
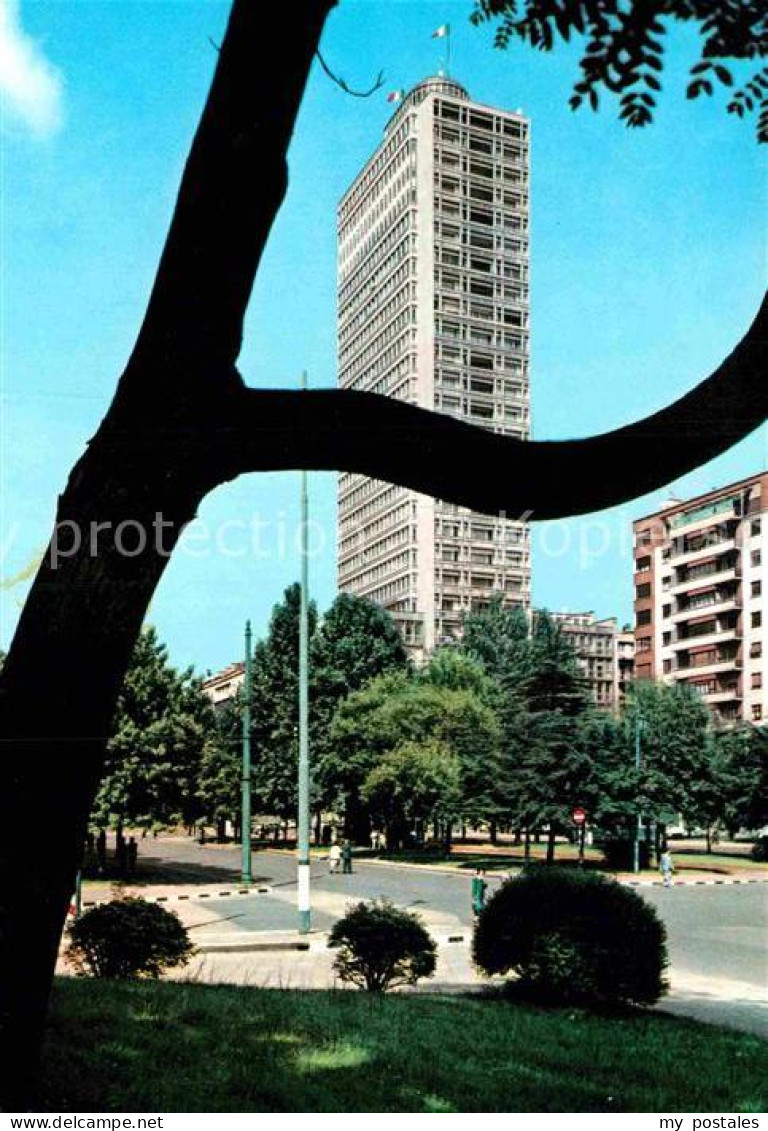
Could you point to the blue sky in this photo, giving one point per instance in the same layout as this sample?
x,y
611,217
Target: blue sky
x,y
648,262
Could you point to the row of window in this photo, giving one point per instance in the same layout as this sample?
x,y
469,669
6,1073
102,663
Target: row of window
x,y
372,298
377,166
395,244
363,577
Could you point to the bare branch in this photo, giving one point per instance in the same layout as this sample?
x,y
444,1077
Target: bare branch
x,y
340,81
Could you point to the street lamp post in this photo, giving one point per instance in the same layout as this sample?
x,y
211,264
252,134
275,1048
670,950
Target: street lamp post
x,y
302,822
638,830
246,874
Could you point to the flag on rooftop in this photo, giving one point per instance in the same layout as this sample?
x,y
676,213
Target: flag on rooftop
x,y
395,96
442,31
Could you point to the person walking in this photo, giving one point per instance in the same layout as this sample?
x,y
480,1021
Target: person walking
x,y
334,858
132,854
346,858
479,888
666,867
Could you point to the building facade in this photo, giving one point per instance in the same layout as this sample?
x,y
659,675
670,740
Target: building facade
x,y
700,615
604,653
223,686
433,309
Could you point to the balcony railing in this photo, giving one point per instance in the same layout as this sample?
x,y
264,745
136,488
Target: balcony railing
x,y
723,603
709,510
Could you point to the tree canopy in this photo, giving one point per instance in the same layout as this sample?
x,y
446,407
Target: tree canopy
x,y
163,731
624,45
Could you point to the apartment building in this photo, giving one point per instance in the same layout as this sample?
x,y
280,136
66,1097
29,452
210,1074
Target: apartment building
x,y
433,310
625,663
700,615
222,687
604,653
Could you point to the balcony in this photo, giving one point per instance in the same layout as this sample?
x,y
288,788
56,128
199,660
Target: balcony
x,y
722,603
718,576
718,635
723,695
718,546
683,671
723,510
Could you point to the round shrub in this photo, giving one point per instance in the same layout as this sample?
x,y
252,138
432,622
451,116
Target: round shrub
x,y
381,947
759,850
573,937
128,938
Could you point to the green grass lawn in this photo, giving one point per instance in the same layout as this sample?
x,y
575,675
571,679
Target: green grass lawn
x,y
154,1047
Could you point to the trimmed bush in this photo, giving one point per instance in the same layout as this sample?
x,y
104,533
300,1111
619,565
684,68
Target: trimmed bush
x,y
573,937
759,850
128,938
381,947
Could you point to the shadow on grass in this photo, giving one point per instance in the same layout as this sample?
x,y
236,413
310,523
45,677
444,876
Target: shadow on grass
x,y
147,1047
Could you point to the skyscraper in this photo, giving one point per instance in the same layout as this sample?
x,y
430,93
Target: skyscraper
x,y
433,309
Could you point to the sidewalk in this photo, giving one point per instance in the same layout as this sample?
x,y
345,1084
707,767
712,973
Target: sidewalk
x,y
277,962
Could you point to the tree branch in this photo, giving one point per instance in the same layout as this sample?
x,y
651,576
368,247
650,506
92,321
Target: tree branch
x,y
342,430
340,81
233,184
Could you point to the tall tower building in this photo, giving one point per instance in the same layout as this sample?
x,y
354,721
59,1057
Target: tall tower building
x,y
433,309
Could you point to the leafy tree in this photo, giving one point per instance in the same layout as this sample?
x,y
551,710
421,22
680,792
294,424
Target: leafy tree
x,y
549,769
454,669
355,642
743,766
163,729
674,748
275,707
624,51
497,637
219,784
412,785
397,709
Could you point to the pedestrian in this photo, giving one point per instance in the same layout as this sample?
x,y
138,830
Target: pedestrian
x,y
334,858
375,840
666,867
346,858
132,854
479,888
120,853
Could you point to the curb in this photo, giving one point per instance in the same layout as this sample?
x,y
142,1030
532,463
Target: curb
x,y
688,883
259,941
180,897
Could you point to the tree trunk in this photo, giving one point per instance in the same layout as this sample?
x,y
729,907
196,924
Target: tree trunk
x,y
527,852
145,466
551,845
493,832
